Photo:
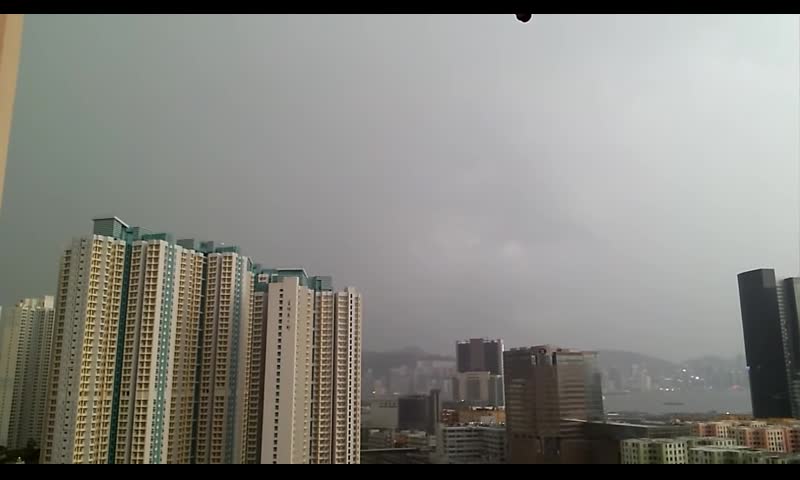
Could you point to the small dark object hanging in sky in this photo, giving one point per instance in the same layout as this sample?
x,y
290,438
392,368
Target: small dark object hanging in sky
x,y
524,17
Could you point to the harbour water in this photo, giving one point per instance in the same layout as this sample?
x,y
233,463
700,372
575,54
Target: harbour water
x,y
694,401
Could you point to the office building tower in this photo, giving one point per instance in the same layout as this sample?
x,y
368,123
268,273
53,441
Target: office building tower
x,y
772,344
10,42
81,381
547,389
480,355
159,357
482,389
419,412
25,361
312,388
224,338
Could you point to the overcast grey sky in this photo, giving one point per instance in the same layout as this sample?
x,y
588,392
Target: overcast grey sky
x,y
591,181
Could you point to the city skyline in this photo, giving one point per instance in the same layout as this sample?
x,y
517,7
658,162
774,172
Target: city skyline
x,y
445,146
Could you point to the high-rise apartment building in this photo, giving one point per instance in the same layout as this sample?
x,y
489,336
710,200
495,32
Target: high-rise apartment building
x,y
480,355
345,400
148,351
24,363
171,351
286,430
772,342
159,356
225,330
312,388
8,362
81,384
255,369
547,389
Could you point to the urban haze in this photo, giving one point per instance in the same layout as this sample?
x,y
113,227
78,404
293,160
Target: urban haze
x,y
591,181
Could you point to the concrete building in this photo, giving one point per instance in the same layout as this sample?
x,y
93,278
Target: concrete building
x,y
149,350
25,361
159,352
286,430
174,352
605,437
770,322
474,415
224,339
547,389
255,370
312,385
378,438
380,413
79,426
654,451
480,355
345,401
8,362
699,450
479,389
10,44
419,412
471,443
775,436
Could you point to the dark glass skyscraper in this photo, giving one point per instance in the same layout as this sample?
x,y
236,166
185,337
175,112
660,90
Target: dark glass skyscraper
x,y
770,324
480,355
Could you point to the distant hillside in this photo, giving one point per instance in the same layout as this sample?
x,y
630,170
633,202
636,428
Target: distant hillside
x,y
623,361
382,362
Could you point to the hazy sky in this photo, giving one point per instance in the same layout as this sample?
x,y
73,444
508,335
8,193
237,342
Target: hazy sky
x,y
590,181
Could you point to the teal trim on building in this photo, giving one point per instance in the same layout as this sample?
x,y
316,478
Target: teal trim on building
x,y
123,318
199,361
167,237
110,227
163,353
189,243
242,269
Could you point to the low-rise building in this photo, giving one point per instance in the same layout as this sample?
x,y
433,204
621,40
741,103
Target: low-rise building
x,y
471,443
699,450
639,451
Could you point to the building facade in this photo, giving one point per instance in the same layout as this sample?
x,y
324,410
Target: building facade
x,y
772,344
471,443
81,379
159,357
224,335
419,412
312,383
480,355
181,351
699,450
478,389
547,389
25,361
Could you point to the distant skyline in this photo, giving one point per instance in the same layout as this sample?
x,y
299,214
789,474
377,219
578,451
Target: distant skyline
x,y
589,181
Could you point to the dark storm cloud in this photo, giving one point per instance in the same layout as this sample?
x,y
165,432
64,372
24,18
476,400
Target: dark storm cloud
x,y
590,181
